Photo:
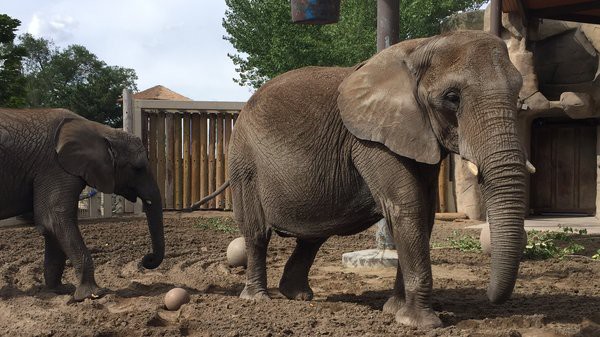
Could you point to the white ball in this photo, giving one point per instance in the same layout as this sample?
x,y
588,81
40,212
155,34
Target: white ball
x,y
175,298
236,253
484,239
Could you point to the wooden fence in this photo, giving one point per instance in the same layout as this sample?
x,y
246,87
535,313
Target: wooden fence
x,y
187,144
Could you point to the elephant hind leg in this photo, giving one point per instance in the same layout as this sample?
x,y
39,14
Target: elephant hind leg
x,y
294,282
251,222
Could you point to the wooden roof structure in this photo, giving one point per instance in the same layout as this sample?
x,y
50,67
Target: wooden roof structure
x,y
158,92
587,11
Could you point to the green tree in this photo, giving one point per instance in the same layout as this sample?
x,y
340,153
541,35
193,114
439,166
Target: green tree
x,y
12,82
268,44
74,78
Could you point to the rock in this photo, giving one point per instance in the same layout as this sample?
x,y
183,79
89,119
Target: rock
x,y
548,28
577,104
567,58
370,258
468,193
484,239
537,102
523,61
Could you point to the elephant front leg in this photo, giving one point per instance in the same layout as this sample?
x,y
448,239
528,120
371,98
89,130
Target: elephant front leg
x,y
71,241
54,265
414,274
56,212
394,303
294,282
403,189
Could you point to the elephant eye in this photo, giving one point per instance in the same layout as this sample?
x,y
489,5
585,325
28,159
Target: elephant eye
x,y
452,97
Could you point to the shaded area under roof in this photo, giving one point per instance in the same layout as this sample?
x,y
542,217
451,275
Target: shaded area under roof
x,y
568,10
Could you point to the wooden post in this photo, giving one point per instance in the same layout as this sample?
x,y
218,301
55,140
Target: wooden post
x,y
226,137
186,161
169,157
195,158
94,206
443,186
106,205
203,157
220,200
212,178
160,151
178,161
152,145
128,127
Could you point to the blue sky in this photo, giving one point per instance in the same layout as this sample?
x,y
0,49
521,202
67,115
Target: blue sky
x,y
177,43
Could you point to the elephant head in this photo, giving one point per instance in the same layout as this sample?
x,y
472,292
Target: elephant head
x,y
451,93
113,161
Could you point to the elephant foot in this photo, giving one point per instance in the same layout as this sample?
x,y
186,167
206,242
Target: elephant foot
x,y
61,289
88,291
393,304
418,318
254,295
295,291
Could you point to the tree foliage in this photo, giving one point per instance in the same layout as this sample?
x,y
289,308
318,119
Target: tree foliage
x,y
268,43
12,82
74,78
35,73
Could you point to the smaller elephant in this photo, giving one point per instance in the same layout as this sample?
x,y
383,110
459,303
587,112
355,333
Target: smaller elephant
x,y
47,157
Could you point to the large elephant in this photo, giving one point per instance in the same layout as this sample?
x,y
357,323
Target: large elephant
x,y
323,151
47,157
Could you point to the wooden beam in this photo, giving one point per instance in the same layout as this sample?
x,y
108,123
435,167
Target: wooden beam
x,y
571,9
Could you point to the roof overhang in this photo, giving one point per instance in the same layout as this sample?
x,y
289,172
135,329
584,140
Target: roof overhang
x,y
587,11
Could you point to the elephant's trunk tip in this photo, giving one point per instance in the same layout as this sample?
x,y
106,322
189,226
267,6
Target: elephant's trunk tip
x,y
152,261
497,297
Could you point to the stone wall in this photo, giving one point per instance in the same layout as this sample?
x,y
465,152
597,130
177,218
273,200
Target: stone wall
x,y
559,62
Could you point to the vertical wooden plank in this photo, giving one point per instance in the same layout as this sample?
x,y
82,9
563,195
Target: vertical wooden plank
x,y
443,185
145,126
220,199
212,178
178,181
186,161
195,152
587,168
226,138
160,154
169,158
152,144
203,157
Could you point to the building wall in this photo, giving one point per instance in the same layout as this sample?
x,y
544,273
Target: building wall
x,y
563,81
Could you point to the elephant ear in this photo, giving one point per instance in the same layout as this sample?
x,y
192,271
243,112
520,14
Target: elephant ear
x,y
83,151
378,102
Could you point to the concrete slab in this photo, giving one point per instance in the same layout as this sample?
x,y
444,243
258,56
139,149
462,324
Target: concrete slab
x,y
370,258
557,223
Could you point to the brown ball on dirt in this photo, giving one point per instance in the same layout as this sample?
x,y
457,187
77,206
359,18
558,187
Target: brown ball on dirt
x,y
236,253
175,298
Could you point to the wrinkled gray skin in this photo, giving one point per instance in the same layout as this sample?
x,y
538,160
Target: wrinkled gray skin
x,y
318,152
48,156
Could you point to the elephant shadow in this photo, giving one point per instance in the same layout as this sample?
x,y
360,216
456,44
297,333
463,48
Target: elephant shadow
x,y
468,304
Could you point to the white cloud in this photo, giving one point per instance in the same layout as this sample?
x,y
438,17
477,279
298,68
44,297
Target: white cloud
x,y
59,28
178,43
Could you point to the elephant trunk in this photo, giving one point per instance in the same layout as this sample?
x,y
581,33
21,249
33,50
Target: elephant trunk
x,y
503,174
154,215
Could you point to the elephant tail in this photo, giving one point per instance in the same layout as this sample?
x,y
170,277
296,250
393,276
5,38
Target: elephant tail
x,y
207,198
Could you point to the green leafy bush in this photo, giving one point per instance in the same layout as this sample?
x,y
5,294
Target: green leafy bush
x,y
464,242
545,245
226,225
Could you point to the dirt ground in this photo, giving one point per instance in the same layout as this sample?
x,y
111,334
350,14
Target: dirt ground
x,y
552,297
